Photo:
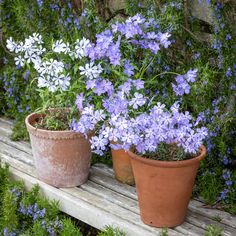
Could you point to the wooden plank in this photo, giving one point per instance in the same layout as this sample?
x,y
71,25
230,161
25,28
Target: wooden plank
x,y
87,197
204,222
6,120
189,229
226,218
114,209
110,195
17,164
22,146
124,195
106,170
98,177
131,205
15,153
86,212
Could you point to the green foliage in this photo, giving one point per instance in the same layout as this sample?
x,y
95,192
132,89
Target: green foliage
x,y
164,232
212,94
69,228
214,230
169,152
9,218
209,186
110,231
19,131
30,214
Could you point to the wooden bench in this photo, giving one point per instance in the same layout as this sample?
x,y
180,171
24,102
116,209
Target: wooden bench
x,y
102,200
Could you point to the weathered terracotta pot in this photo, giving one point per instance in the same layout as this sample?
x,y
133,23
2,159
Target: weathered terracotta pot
x,y
122,166
164,188
62,158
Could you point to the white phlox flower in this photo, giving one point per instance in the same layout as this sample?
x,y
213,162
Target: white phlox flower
x,y
90,70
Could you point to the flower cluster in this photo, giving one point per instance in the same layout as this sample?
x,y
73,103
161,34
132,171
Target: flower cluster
x,y
32,210
51,73
125,121
183,81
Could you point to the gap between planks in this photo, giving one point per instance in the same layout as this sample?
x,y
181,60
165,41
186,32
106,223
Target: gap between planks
x,y
129,191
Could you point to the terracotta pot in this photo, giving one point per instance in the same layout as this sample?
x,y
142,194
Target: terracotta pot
x,y
62,158
164,188
122,166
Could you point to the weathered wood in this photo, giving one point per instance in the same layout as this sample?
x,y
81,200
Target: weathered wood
x,y
204,222
79,209
15,153
226,218
112,202
97,176
101,178
18,145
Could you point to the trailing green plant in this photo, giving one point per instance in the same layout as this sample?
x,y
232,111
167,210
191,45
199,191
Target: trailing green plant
x,y
214,230
212,94
111,231
30,213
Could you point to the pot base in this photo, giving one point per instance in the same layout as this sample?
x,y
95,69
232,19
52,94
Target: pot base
x,y
122,167
164,188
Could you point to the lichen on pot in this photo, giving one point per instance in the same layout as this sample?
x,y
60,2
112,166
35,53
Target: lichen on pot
x,y
62,158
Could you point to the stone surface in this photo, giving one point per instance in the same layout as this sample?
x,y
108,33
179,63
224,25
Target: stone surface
x,y
115,5
201,10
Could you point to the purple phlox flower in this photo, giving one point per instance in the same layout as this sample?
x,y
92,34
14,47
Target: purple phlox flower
x,y
229,73
163,38
114,54
90,84
225,160
153,46
125,87
228,37
182,86
226,174
107,131
138,84
105,39
158,108
137,101
97,116
128,68
191,75
115,105
26,75
175,107
223,194
132,29
103,86
79,101
151,35
136,19
99,144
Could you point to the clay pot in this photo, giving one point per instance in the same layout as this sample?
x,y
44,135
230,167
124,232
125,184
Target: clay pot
x,y
122,166
164,188
62,158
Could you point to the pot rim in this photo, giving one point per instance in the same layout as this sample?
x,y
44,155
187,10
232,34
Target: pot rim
x,y
57,134
170,164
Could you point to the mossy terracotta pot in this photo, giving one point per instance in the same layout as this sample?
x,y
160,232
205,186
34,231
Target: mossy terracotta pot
x,y
62,158
122,166
164,188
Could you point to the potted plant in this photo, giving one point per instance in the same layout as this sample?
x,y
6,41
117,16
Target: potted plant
x,y
124,51
168,153
62,156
